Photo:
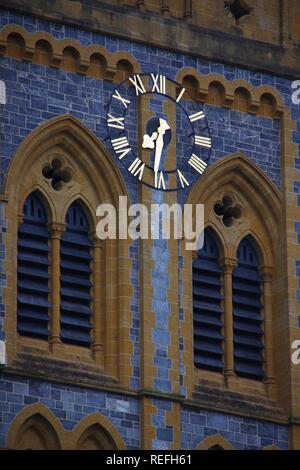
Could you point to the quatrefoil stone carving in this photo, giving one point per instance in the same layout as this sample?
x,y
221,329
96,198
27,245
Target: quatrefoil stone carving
x,y
57,174
227,210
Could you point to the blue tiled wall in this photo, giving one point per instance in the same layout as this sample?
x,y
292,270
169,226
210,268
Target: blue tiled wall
x,y
35,94
70,404
241,432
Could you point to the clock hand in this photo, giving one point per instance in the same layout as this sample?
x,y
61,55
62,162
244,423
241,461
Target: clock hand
x,y
164,126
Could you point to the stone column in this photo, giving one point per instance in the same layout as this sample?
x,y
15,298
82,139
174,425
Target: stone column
x,y
266,273
187,9
98,300
165,9
56,230
228,265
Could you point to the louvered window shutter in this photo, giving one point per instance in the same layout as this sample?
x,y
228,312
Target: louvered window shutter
x,y
76,279
247,313
207,306
33,270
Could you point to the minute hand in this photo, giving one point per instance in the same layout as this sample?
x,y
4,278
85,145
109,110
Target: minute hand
x,y
163,127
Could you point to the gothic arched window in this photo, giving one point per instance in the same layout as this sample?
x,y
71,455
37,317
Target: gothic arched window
x,y
76,283
33,270
247,312
207,306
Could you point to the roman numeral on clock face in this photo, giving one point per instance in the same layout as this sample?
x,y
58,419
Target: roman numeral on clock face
x,y
159,83
197,163
116,122
203,141
159,180
117,96
196,116
137,168
182,179
138,85
121,146
180,95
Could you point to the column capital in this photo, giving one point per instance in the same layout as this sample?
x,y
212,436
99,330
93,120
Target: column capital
x,y
266,272
20,218
97,242
56,229
194,254
228,264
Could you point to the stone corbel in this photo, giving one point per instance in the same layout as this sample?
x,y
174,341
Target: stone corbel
x,y
3,46
56,60
83,66
28,53
253,106
228,100
110,72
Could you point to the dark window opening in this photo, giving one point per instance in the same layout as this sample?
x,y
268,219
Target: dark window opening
x,y
238,8
33,270
75,279
207,307
228,210
247,313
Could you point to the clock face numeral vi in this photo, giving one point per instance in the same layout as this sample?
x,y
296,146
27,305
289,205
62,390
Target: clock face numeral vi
x,y
148,157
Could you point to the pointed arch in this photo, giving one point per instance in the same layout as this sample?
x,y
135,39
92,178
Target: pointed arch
x,y
215,440
260,199
76,256
43,196
33,269
69,136
237,179
217,236
36,427
248,332
66,162
84,204
207,309
97,432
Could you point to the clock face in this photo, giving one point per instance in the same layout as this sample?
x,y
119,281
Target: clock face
x,y
158,131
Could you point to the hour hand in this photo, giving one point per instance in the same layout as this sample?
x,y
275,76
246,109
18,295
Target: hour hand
x,y
148,142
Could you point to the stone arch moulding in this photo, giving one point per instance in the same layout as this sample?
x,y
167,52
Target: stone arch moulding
x,y
57,48
96,179
68,134
36,411
262,214
230,87
217,236
58,437
215,440
112,436
239,174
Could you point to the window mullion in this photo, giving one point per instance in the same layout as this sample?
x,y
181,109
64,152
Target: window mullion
x,y
266,273
56,230
97,345
228,266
